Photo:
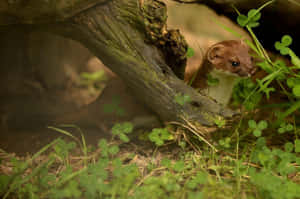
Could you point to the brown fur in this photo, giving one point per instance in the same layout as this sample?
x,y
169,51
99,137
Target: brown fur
x,y
220,56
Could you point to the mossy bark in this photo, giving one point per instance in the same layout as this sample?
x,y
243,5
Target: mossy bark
x,y
130,37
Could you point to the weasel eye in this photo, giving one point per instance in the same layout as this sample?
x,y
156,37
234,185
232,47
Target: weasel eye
x,y
235,64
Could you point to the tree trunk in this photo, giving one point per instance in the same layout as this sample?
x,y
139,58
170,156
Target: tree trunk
x,y
130,37
117,33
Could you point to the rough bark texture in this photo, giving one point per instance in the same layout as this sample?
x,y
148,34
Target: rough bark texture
x,y
128,38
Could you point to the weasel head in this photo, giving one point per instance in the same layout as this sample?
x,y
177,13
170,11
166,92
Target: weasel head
x,y
231,56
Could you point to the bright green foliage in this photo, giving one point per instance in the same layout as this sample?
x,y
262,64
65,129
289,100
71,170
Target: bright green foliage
x,y
220,122
282,46
191,177
190,52
225,142
62,148
275,160
121,130
257,128
71,190
297,146
178,166
199,179
106,149
160,135
4,180
182,99
166,162
274,187
244,93
296,90
251,20
195,195
114,107
284,127
289,147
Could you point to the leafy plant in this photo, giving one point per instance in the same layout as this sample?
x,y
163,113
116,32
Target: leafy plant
x,y
285,128
121,130
244,93
257,127
160,135
225,142
220,122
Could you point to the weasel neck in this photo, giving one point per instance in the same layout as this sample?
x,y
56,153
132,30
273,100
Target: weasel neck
x,y
223,90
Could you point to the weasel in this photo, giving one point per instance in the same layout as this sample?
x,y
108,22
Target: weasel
x,y
226,61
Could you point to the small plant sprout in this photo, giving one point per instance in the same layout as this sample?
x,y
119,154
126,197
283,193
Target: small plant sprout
x,y
220,122
121,130
284,127
160,135
282,46
225,142
257,128
190,52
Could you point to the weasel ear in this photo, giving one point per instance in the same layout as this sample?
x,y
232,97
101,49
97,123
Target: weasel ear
x,y
215,54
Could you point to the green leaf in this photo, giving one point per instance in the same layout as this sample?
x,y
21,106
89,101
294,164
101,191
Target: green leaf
x,y
289,147
296,90
220,122
278,45
166,162
116,129
127,127
257,133
254,15
242,20
159,135
113,150
190,52
124,137
284,51
4,180
102,144
252,124
286,40
179,166
297,145
290,82
281,130
253,24
262,125
289,127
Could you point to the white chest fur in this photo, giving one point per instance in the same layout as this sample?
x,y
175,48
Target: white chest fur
x,y
223,90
